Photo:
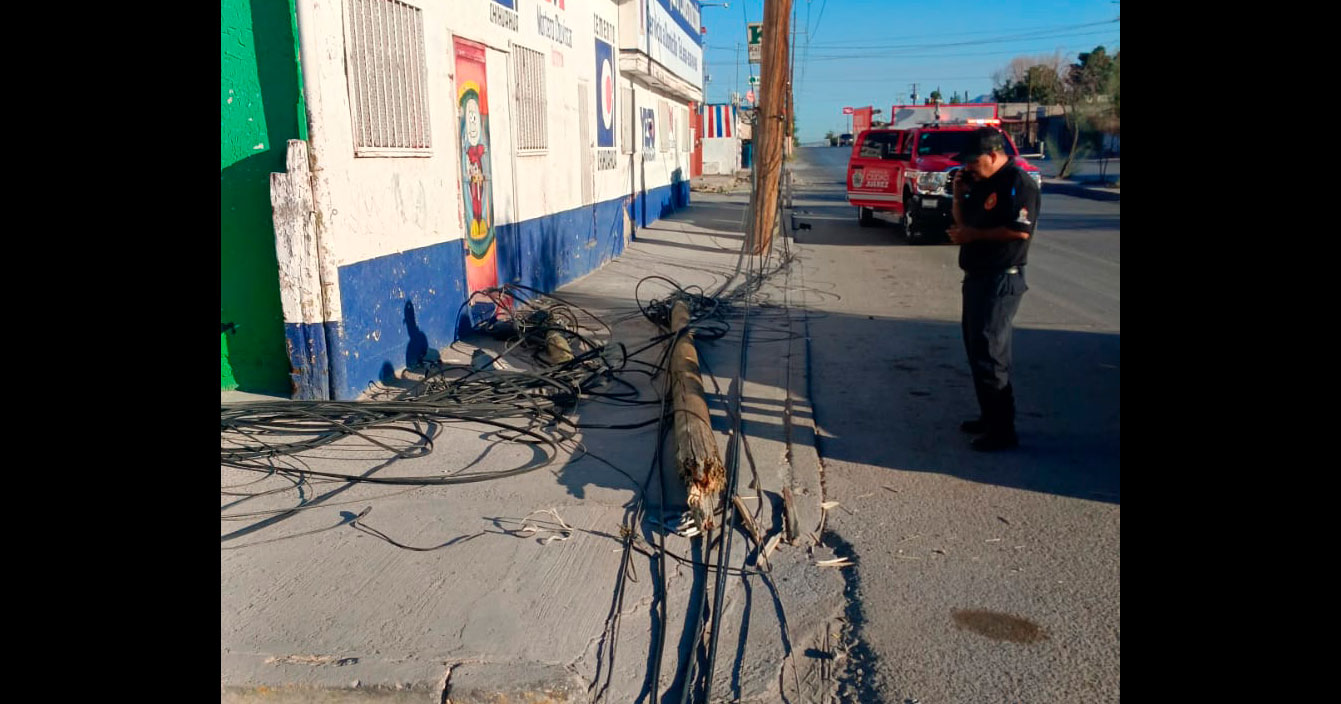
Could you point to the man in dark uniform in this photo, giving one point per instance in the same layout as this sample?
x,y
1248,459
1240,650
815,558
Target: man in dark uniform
x,y
995,208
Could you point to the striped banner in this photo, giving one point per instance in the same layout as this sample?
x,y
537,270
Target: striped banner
x,y
719,121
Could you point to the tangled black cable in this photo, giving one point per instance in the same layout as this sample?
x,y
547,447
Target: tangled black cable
x,y
705,311
530,318
707,321
254,435
535,408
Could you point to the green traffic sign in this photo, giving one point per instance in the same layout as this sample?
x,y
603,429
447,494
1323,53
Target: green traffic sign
x,y
756,31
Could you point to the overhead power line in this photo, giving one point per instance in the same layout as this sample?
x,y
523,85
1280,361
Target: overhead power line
x,y
941,37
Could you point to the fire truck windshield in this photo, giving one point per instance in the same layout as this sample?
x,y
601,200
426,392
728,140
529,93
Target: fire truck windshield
x,y
949,143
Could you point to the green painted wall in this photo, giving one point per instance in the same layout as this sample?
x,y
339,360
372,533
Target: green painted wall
x,y
261,109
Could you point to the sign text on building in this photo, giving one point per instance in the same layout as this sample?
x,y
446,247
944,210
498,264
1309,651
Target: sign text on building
x,y
552,27
673,39
503,14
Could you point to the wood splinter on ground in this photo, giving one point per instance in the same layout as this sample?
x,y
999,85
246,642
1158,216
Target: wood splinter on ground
x,y
753,529
557,348
789,521
696,455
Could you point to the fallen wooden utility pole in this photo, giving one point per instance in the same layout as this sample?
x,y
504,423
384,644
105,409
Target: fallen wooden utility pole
x,y
696,455
770,124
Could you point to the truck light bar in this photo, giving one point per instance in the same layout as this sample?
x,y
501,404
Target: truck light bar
x,y
962,121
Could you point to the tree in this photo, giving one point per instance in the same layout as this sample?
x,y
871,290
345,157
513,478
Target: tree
x,y
936,96
1116,88
1039,83
1013,83
1088,94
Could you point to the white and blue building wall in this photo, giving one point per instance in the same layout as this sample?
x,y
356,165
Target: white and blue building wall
x,y
392,227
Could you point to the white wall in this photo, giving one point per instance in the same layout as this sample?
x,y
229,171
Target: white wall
x,y
551,182
658,170
373,206
721,156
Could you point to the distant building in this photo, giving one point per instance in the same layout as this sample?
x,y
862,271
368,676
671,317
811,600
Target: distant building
x,y
1028,124
722,138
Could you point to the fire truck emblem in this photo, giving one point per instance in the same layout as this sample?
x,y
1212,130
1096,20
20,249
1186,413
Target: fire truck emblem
x,y
856,178
990,202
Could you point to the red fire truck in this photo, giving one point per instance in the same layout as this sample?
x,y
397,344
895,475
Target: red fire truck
x,y
905,169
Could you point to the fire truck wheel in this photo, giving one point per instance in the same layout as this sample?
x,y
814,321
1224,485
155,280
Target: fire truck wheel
x,y
913,230
865,216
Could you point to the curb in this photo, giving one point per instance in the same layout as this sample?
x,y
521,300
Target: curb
x,y
802,450
1071,188
312,694
465,683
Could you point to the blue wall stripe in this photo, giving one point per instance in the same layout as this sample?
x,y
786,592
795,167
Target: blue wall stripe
x,y
401,307
395,309
661,201
548,252
308,361
335,346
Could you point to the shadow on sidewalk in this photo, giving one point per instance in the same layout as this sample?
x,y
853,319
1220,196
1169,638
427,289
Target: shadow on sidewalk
x,y
891,393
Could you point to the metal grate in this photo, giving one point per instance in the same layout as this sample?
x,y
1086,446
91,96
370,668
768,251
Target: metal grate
x,y
387,78
528,74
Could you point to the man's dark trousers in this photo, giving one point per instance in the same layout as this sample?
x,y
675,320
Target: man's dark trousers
x,y
990,302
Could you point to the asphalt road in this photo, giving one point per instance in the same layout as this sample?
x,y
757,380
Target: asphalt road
x,y
980,577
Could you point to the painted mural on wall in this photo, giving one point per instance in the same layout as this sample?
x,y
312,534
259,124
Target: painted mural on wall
x,y
605,95
649,133
472,92
607,158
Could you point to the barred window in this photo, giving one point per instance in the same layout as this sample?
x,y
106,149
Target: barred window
x,y
384,48
528,89
627,134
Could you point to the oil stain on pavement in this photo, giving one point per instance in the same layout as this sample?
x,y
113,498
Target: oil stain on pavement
x,y
999,626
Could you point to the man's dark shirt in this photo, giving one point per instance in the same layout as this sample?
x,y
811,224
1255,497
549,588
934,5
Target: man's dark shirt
x,y
1008,199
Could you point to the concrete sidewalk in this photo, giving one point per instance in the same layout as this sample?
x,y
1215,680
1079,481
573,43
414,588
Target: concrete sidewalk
x,y
313,610
1090,178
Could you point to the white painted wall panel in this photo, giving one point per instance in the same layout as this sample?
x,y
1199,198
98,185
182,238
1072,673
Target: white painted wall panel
x,y
375,206
721,156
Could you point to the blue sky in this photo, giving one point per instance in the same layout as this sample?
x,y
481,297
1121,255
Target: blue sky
x,y
870,52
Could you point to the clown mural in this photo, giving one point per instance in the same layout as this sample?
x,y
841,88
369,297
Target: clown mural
x,y
476,194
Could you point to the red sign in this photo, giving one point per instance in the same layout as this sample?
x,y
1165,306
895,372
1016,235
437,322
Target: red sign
x,y
861,119
847,111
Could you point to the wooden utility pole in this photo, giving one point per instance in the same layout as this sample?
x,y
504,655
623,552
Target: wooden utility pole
x,y
771,124
696,456
790,140
1028,107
